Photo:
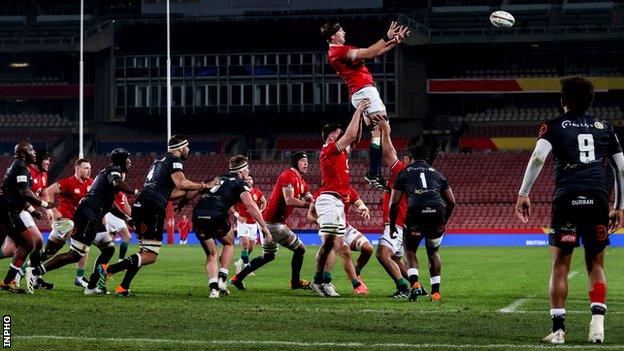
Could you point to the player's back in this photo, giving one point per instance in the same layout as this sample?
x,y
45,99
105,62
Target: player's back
x,y
580,145
217,200
422,184
158,184
101,195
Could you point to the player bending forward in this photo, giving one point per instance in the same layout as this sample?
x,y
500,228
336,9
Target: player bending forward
x,y
430,202
580,208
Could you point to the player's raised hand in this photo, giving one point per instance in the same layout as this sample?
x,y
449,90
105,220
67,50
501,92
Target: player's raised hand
x,y
615,220
393,29
523,209
403,33
382,123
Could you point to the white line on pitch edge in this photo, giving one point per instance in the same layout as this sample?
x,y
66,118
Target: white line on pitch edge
x,y
572,274
513,307
307,344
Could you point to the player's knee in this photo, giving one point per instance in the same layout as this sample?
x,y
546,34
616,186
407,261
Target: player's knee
x,y
75,256
300,250
367,249
268,256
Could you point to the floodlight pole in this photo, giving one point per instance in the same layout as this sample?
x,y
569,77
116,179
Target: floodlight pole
x,y
81,86
168,73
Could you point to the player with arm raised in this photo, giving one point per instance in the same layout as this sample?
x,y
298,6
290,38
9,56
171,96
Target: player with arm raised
x,y
348,62
165,179
329,205
430,202
390,250
581,144
289,192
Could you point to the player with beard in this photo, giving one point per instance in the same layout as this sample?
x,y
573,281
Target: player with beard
x,y
165,180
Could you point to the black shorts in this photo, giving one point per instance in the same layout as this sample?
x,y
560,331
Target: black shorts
x,y
424,222
580,217
86,226
207,227
10,221
149,220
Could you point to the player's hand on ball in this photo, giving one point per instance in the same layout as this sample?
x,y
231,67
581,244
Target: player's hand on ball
x,y
615,220
523,209
363,105
403,33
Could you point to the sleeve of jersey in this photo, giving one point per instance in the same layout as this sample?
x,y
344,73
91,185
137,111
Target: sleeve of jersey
x,y
285,181
332,148
341,52
617,163
545,132
177,167
113,175
22,178
614,145
542,149
62,185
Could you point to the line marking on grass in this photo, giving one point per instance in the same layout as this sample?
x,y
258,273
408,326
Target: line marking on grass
x,y
307,344
572,274
513,307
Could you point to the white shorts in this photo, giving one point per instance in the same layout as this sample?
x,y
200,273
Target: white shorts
x,y
103,239
434,243
246,230
370,93
354,237
27,218
114,223
395,244
60,228
331,215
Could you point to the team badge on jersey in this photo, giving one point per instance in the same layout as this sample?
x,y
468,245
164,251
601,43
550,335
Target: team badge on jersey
x,y
598,125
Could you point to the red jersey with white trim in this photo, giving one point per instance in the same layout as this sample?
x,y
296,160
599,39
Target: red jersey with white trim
x,y
277,211
396,168
334,170
352,197
353,72
72,191
121,200
39,179
256,195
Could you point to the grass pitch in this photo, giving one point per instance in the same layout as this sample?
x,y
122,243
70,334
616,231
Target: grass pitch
x,y
171,309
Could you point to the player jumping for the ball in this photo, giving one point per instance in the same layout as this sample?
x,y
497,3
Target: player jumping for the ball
x,y
348,61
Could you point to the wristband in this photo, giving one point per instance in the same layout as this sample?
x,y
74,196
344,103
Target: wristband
x,y
30,209
136,191
44,204
386,38
362,207
236,214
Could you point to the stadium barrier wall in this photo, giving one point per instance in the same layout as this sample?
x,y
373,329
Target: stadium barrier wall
x,y
458,237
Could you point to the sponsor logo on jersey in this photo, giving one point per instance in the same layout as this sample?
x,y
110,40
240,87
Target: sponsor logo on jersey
x,y
76,191
429,210
581,200
568,123
599,125
177,165
22,179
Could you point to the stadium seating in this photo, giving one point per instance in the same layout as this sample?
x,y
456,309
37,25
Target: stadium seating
x,y
531,114
34,120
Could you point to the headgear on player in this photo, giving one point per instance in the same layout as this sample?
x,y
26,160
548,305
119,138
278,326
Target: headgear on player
x,y
118,157
295,157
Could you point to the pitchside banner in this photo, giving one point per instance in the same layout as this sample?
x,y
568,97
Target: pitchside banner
x,y
457,237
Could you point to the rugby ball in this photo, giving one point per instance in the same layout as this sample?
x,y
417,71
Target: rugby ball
x,y
502,19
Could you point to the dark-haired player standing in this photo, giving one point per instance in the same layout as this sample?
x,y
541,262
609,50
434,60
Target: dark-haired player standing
x,y
581,144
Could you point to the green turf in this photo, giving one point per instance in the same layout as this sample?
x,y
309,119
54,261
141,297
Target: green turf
x,y
171,309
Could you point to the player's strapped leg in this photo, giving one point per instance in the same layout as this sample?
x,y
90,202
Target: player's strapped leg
x,y
269,250
331,216
389,249
291,241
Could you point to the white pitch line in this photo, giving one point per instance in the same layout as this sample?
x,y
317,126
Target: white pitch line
x,y
513,307
308,344
572,274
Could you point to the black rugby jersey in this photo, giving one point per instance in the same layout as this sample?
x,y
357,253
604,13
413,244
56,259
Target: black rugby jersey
x,y
580,146
17,177
422,184
216,201
159,185
101,195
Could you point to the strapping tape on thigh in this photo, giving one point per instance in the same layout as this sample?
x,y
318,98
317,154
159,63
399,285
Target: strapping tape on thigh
x,y
79,247
151,245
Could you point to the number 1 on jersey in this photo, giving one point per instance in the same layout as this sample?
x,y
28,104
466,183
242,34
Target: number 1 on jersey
x,y
586,148
423,180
